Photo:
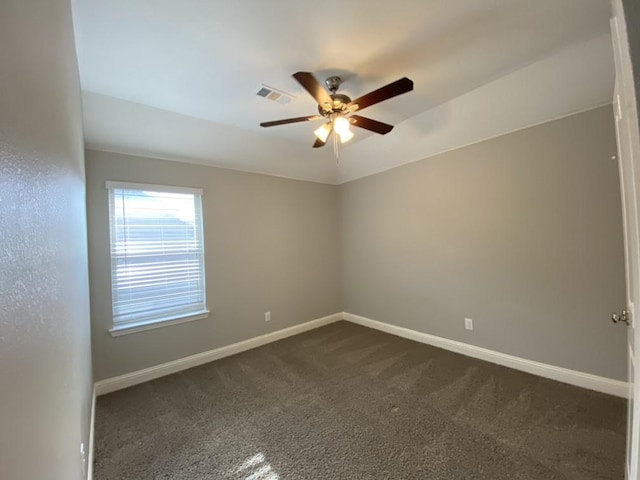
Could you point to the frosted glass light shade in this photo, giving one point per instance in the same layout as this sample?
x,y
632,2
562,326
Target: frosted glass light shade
x,y
345,136
341,125
323,132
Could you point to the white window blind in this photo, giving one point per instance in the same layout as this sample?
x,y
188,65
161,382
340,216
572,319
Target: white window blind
x,y
157,253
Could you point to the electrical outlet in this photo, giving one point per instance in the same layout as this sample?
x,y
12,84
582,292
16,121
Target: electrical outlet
x,y
468,323
267,316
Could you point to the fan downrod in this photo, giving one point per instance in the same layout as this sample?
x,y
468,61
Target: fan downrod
x,y
333,83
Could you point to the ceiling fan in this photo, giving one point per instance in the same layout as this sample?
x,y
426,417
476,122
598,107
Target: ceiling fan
x,y
339,109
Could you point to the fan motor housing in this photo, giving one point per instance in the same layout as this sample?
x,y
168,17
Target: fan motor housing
x,y
340,105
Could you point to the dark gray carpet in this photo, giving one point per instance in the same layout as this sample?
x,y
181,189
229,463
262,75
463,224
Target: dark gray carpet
x,y
347,402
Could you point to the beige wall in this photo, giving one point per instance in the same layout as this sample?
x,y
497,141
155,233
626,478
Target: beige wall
x,y
521,233
45,357
271,244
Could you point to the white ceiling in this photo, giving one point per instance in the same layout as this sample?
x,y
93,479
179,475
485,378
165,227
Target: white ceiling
x,y
178,80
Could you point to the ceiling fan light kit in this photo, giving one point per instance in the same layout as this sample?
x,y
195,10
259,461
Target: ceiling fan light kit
x,y
339,109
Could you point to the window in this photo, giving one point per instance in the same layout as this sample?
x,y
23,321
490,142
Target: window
x,y
157,255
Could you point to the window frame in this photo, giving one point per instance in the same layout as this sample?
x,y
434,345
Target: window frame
x,y
133,326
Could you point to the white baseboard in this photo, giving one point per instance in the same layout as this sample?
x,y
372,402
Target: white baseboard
x,y
134,378
573,377
92,427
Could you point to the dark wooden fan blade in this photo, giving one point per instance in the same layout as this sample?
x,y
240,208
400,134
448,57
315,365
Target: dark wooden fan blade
x,y
291,120
311,85
369,124
319,143
396,88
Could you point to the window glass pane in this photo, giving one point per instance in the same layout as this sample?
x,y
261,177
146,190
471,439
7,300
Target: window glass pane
x,y
157,255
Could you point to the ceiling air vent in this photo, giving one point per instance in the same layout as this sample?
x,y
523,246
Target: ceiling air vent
x,y
274,95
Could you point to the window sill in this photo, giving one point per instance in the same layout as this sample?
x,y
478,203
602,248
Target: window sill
x,y
120,330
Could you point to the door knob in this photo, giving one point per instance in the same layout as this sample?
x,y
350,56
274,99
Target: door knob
x,y
623,317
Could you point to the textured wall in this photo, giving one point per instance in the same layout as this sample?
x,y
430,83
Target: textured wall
x,y
271,244
521,233
45,359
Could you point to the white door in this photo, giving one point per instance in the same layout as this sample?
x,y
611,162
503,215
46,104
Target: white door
x,y
629,165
